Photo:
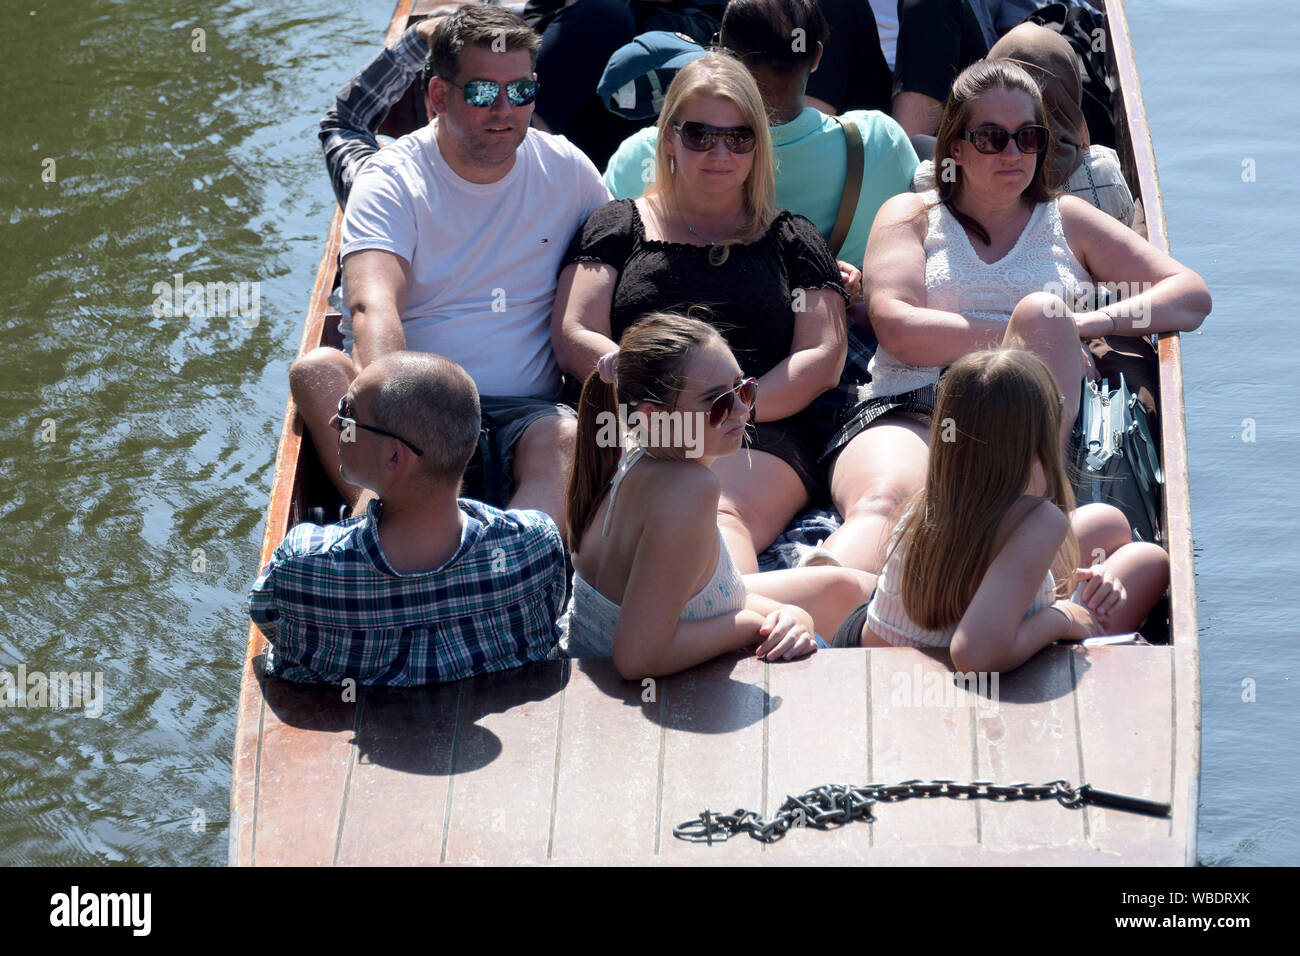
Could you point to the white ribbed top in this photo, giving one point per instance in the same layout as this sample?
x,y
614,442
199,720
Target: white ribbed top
x,y
958,280
889,620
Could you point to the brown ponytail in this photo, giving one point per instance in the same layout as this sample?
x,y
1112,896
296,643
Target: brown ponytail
x,y
593,465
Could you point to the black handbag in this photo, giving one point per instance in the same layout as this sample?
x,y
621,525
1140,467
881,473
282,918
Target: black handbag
x,y
1116,458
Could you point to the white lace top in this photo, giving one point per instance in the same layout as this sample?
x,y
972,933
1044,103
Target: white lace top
x,y
958,280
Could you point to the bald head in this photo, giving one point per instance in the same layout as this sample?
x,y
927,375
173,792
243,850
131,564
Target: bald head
x,y
432,402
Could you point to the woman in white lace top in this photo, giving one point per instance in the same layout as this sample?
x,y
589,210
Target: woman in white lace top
x,y
991,257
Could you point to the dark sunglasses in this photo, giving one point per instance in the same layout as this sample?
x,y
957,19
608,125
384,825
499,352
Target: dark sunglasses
x,y
746,392
345,419
993,139
483,93
699,137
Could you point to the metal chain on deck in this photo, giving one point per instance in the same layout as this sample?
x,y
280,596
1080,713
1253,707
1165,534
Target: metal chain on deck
x,y
831,806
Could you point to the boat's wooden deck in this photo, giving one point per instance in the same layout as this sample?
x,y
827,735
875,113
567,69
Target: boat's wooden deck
x,y
564,762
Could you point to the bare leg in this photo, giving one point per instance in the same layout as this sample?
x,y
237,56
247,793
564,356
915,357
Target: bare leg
x,y
1042,324
317,381
870,479
1101,530
542,461
1143,568
917,113
828,594
760,494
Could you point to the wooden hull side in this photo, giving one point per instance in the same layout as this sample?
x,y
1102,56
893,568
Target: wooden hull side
x,y
1185,636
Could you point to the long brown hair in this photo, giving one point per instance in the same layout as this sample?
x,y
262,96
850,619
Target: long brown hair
x,y
972,83
721,74
1000,412
651,357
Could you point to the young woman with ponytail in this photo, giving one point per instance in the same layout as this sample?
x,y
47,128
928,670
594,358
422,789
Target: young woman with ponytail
x,y
654,584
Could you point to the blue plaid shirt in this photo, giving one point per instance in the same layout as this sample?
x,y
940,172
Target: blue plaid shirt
x,y
347,131
332,607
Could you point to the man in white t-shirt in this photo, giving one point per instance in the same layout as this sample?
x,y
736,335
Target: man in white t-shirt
x,y
452,238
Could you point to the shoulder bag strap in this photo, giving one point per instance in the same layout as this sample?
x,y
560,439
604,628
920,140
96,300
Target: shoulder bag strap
x,y
852,184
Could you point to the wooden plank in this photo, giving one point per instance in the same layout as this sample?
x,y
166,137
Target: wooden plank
x,y
1025,732
397,791
504,765
307,738
1186,771
1124,700
248,749
1178,509
817,734
713,753
607,780
921,728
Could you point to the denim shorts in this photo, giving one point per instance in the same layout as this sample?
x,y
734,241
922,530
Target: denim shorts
x,y
489,476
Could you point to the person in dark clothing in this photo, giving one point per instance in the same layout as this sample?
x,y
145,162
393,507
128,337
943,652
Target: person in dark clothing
x,y
578,38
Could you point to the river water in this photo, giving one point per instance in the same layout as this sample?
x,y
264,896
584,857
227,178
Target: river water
x,y
136,443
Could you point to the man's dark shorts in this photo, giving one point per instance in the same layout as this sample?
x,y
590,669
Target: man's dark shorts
x,y
505,419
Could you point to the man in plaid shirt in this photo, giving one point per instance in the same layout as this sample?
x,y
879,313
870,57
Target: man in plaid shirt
x,y
424,587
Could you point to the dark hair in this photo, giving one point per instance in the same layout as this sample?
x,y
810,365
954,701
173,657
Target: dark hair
x,y
432,402
762,33
973,82
651,355
476,24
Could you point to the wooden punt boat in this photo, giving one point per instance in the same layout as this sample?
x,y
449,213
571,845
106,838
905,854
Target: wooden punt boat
x,y
566,762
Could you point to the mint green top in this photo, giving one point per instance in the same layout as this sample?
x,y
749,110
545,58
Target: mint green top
x,y
810,169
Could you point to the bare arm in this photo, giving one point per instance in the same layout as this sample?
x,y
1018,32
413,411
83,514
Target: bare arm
x,y
376,282
816,359
994,634
893,275
1159,294
678,540
580,329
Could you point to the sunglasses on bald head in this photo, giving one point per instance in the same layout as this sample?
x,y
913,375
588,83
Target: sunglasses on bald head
x,y
483,93
700,137
993,139
344,417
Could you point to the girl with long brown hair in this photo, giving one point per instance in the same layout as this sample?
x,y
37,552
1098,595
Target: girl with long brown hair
x,y
984,559
654,583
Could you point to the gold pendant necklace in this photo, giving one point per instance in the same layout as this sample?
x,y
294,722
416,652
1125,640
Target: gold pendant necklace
x,y
718,251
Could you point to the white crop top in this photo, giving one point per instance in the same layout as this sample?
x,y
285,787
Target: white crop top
x,y
958,280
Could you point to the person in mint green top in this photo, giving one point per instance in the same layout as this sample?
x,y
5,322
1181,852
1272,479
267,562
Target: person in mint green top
x,y
808,145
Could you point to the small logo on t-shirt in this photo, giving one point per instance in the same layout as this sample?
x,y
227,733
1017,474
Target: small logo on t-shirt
x,y
544,239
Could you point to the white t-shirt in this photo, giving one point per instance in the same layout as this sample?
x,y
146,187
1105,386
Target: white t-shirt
x,y
484,257
886,12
